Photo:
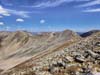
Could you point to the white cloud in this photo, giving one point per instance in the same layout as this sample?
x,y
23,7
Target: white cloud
x,y
19,20
42,21
8,12
1,23
4,11
91,3
50,4
54,3
23,14
92,10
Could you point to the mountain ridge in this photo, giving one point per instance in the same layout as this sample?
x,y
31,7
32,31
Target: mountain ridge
x,y
22,44
53,63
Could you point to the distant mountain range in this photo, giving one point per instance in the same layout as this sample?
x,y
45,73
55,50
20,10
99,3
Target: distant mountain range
x,y
89,33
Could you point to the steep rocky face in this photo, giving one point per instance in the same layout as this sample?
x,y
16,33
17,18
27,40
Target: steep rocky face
x,y
81,58
20,46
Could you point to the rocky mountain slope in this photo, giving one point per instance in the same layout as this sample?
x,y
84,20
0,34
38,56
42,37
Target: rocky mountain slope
x,y
80,58
21,46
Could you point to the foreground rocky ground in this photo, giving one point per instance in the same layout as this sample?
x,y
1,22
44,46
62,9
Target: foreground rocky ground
x,y
81,58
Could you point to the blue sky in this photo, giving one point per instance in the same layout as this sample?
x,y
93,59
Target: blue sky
x,y
49,15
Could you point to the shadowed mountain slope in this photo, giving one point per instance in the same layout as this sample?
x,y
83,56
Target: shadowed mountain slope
x,y
86,34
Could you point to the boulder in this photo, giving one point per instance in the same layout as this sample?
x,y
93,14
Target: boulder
x,y
79,58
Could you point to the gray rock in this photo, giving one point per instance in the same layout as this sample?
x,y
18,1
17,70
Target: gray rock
x,y
92,54
79,58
